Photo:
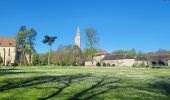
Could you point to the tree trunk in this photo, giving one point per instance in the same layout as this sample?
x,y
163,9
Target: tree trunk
x,y
4,57
20,58
24,57
30,59
92,60
49,54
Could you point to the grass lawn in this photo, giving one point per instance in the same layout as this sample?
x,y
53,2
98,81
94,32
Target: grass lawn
x,y
83,83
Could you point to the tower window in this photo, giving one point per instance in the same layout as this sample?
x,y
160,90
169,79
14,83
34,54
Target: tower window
x,y
0,43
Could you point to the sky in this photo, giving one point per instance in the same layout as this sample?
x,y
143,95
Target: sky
x,y
120,24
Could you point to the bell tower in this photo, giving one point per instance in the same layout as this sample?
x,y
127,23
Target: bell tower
x,y
77,38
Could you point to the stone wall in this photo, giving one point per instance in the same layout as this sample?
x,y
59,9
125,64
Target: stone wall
x,y
120,62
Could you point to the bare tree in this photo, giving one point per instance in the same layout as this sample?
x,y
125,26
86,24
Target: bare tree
x,y
91,41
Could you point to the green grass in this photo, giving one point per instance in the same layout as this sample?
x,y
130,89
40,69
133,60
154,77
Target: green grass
x,y
79,83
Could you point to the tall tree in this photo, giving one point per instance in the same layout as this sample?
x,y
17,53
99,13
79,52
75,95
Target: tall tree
x,y
31,35
21,43
25,43
49,40
68,54
76,55
91,41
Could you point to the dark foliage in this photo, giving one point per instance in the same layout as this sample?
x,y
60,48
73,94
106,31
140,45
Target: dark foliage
x,y
49,40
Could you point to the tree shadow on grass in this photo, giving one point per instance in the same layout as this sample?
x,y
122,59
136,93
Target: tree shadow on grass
x,y
104,86
99,84
6,71
68,81
38,80
163,83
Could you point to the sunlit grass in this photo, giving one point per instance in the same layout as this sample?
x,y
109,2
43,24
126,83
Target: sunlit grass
x,y
72,83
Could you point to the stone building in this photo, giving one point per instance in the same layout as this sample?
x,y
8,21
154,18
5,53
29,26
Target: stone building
x,y
118,60
88,62
160,59
7,50
141,61
98,57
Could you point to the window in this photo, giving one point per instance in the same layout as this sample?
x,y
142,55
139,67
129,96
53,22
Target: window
x,y
10,43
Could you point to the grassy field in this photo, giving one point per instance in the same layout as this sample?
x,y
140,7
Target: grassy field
x,y
84,83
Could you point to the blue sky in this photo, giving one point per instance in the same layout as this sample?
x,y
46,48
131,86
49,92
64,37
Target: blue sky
x,y
121,24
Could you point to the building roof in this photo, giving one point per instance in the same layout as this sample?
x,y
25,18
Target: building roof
x,y
7,42
117,57
141,59
102,52
161,57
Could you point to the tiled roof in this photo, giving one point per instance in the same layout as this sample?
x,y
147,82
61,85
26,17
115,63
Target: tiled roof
x,y
141,59
7,42
102,53
117,57
160,57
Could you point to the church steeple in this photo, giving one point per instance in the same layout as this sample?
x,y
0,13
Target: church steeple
x,y
78,31
77,37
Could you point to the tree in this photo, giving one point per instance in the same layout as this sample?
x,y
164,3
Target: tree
x,y
49,40
60,55
25,43
1,60
91,41
36,59
131,52
31,34
77,56
43,58
87,52
21,43
53,58
140,54
68,57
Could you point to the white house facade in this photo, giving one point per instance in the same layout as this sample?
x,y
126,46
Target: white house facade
x,y
7,50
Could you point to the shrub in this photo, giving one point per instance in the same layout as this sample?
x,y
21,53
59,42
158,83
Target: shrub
x,y
98,64
104,64
113,65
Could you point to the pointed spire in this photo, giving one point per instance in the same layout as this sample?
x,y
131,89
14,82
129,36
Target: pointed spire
x,y
78,30
77,37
